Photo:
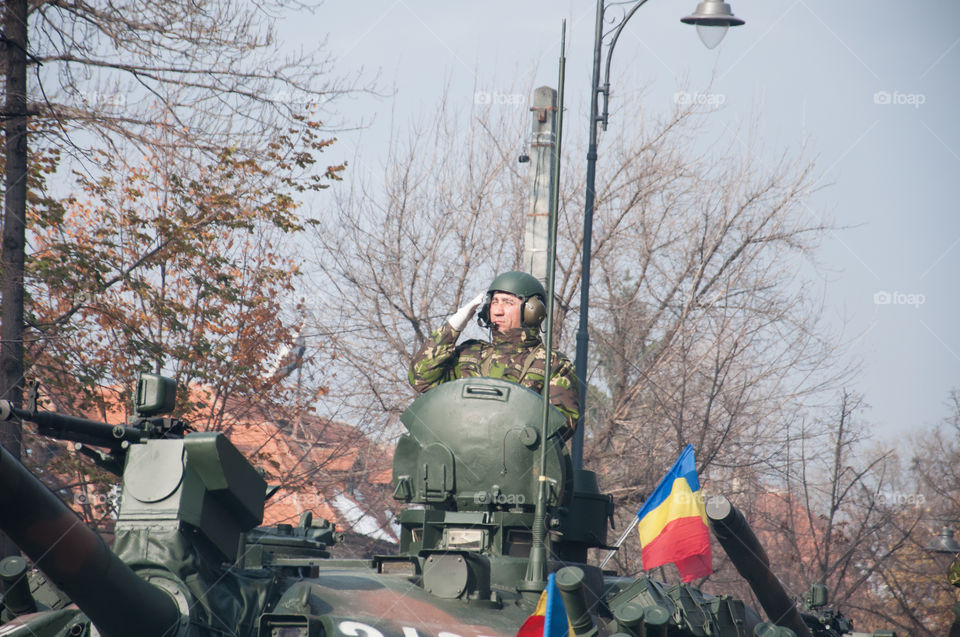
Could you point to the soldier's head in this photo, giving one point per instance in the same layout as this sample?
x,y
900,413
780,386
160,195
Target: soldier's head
x,y
514,299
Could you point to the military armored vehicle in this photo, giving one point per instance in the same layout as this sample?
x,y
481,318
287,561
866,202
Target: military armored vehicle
x,y
189,559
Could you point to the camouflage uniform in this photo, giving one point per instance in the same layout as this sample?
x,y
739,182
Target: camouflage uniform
x,y
516,355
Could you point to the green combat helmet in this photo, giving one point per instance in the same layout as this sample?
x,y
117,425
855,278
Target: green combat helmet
x,y
522,285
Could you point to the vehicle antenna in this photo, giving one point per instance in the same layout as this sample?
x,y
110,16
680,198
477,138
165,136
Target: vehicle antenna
x,y
536,576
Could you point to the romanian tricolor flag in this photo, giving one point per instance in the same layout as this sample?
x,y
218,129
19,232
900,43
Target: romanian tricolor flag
x,y
550,618
673,522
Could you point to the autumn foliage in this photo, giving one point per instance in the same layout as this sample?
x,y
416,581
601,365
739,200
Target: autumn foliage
x,y
189,269
163,265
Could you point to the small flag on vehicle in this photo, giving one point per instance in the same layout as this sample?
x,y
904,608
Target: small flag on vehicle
x,y
673,522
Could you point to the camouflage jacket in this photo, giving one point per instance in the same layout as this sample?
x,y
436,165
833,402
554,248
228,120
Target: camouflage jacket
x,y
516,355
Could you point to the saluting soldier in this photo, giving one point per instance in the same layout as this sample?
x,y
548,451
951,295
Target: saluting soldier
x,y
513,308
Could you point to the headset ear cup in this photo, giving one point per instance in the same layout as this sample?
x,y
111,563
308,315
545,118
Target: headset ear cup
x,y
534,311
483,316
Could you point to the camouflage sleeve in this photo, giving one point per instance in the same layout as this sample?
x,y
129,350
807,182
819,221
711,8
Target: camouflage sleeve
x,y
564,391
434,362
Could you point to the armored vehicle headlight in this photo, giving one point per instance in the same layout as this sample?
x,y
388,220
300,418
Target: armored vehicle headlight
x,y
463,539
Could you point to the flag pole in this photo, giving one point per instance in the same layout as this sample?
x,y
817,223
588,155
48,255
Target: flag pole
x,y
620,540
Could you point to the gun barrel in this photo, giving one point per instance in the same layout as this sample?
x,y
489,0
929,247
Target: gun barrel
x,y
751,561
74,557
91,432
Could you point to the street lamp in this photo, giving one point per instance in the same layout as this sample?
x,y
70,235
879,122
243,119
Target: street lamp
x,y
944,550
712,19
945,543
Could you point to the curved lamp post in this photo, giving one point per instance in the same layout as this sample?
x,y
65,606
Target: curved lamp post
x,y
712,19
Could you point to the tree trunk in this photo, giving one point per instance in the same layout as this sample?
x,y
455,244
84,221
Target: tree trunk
x,y
14,214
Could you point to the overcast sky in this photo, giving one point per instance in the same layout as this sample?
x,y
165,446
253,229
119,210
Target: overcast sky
x,y
869,90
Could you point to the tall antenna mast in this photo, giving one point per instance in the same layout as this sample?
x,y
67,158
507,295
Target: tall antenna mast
x,y
536,576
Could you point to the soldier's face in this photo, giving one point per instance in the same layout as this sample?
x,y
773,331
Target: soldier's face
x,y
505,311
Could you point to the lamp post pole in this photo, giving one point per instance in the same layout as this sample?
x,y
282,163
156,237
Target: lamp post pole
x,y
709,13
580,363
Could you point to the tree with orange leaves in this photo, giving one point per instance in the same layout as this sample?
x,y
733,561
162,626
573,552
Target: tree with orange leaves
x,y
161,265
138,78
171,267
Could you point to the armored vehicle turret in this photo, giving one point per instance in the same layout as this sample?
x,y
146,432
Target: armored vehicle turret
x,y
189,559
